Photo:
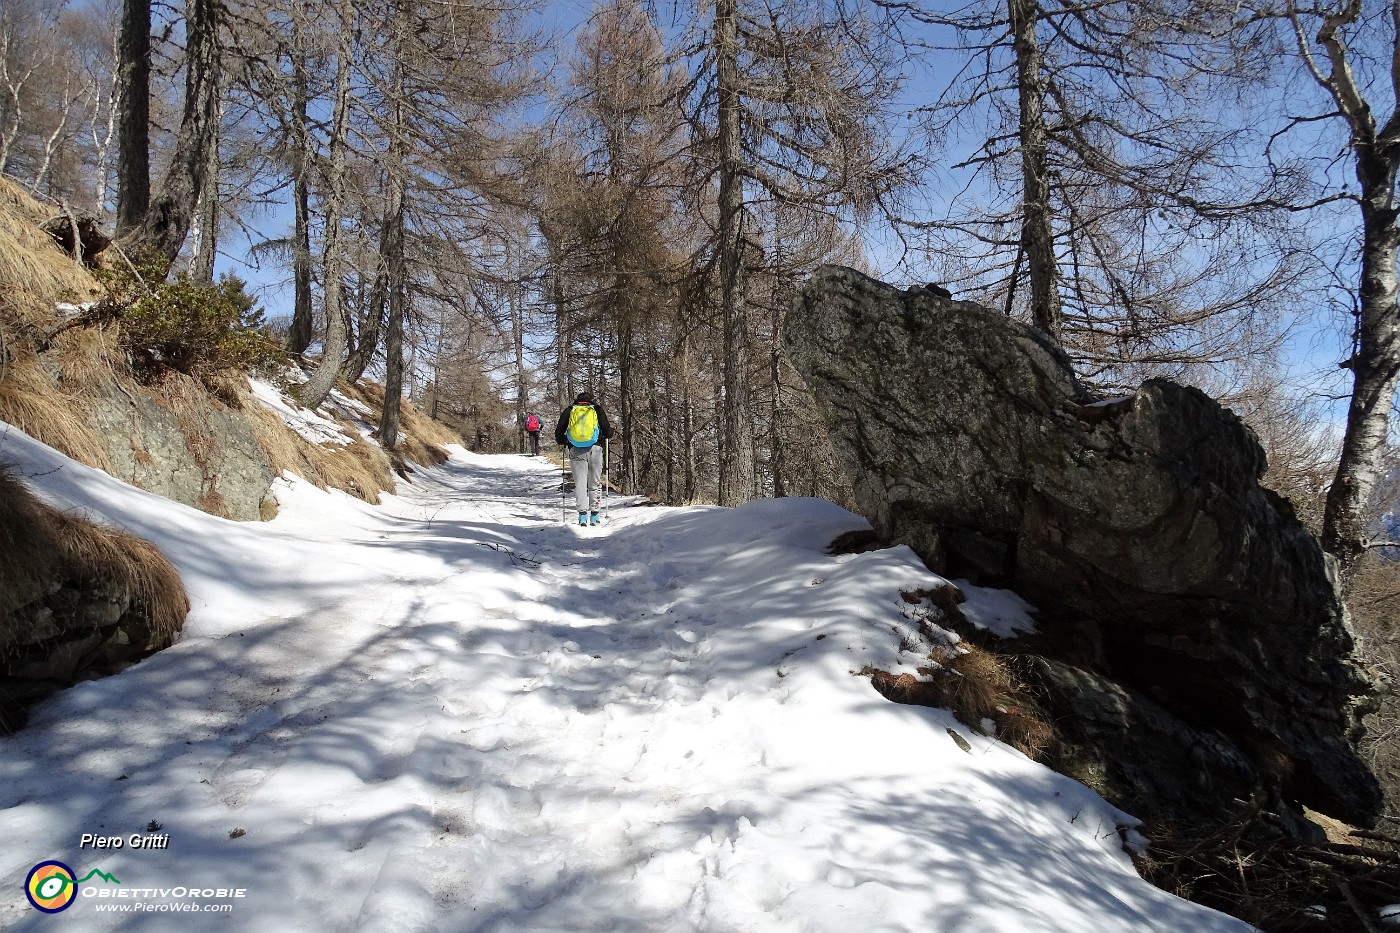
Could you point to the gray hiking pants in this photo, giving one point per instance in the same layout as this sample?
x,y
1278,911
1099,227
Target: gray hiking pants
x,y
587,464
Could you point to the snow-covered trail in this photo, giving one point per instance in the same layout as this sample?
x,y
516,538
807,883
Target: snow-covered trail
x,y
453,713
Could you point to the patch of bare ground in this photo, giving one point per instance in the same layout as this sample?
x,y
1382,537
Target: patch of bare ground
x,y
1253,869
1313,875
980,686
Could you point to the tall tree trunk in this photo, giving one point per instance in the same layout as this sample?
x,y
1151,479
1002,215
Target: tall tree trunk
x,y
775,428
206,228
134,120
563,389
716,417
1375,365
393,332
687,445
299,336
776,301
314,392
626,379
673,432
394,259
1037,230
374,310
393,368
12,109
102,145
517,327
650,470
736,468
50,144
171,211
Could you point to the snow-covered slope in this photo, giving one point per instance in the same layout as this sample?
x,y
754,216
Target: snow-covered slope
x,y
453,712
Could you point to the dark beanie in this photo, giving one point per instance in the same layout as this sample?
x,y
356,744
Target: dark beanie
x,y
585,397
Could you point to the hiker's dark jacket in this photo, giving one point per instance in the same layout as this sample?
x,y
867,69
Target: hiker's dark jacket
x,y
561,429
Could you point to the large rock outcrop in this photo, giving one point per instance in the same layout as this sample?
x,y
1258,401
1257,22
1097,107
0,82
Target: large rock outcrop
x,y
185,445
1205,622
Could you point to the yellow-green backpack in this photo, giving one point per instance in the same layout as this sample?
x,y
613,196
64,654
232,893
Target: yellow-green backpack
x,y
583,426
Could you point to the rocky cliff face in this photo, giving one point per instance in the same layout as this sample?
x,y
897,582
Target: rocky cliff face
x,y
184,445
1210,652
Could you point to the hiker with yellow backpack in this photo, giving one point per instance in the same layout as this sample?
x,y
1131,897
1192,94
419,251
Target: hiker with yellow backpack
x,y
583,431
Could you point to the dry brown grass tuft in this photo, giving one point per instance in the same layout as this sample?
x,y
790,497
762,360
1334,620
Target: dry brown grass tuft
x,y
279,443
228,387
421,439
30,401
42,549
972,680
416,450
362,469
856,542
155,583
366,392
34,272
43,399
428,431
981,689
26,552
85,358
60,579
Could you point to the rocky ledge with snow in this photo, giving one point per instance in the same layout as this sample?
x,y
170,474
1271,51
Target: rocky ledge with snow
x,y
1194,647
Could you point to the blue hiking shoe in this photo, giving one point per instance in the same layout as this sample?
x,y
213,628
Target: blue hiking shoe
x,y
595,519
583,518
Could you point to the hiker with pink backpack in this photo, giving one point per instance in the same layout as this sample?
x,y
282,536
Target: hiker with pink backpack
x,y
532,428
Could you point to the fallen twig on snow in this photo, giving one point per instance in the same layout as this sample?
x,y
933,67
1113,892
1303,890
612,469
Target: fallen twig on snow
x,y
514,557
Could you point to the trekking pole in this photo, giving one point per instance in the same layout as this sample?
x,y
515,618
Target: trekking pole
x,y
563,499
